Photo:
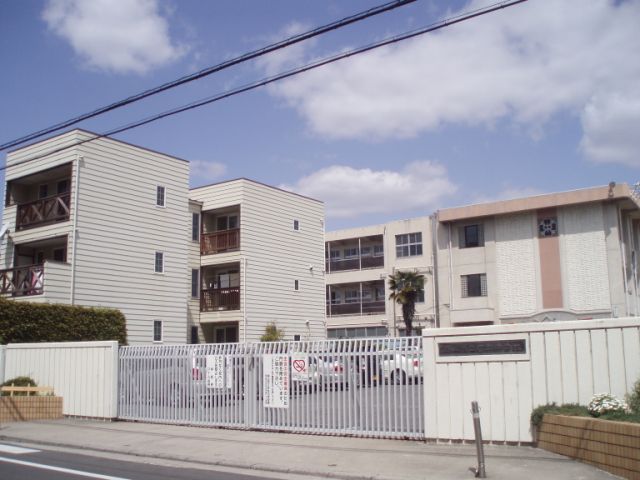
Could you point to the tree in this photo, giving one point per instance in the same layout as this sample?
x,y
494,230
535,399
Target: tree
x,y
405,288
272,334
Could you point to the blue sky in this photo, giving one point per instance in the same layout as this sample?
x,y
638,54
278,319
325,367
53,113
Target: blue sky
x,y
540,97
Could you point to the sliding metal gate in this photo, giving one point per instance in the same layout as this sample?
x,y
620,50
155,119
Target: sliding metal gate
x,y
369,387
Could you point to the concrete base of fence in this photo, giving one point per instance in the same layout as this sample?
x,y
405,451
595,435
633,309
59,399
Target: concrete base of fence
x,y
611,446
15,409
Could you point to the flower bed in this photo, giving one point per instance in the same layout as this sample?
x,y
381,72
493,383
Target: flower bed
x,y
15,409
609,445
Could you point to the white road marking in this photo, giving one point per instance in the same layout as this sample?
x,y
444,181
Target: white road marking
x,y
16,450
61,470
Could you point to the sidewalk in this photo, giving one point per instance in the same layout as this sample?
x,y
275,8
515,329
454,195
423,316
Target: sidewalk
x,y
310,455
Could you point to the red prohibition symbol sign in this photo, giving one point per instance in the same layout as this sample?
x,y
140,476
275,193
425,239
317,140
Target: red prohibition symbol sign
x,y
299,365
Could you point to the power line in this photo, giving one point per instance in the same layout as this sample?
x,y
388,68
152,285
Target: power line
x,y
398,38
213,69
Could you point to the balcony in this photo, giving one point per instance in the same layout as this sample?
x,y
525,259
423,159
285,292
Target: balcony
x,y
356,308
354,254
219,299
44,211
357,263
220,241
22,281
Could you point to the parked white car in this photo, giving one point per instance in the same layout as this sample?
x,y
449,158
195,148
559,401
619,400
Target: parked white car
x,y
402,367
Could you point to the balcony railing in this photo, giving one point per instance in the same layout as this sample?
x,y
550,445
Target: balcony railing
x,y
44,211
215,299
222,241
20,281
355,263
357,308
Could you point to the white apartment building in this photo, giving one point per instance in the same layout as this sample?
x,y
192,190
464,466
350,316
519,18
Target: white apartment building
x,y
100,224
104,223
359,262
259,262
562,256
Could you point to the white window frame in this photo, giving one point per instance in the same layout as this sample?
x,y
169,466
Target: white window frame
x,y
155,263
407,245
464,285
164,196
155,322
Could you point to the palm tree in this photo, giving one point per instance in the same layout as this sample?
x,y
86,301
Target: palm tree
x,y
405,288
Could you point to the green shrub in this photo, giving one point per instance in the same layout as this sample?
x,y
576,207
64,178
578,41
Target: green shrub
x,y
272,334
23,322
18,382
633,399
569,409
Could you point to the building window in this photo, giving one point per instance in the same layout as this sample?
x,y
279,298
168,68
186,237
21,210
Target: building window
x,y
472,236
195,227
226,222
420,296
351,296
195,282
159,266
296,285
335,297
296,225
365,251
157,331
409,244
160,196
474,285
63,186
43,191
194,335
60,255
351,252
360,332
378,250
296,338
548,227
335,254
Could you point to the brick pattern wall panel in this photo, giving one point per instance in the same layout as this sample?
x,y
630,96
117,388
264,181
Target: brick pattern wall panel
x,y
584,254
515,259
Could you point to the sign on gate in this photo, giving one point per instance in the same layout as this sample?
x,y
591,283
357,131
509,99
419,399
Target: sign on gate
x,y
300,367
215,371
275,380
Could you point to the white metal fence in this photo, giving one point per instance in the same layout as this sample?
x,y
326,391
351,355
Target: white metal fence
x,y
511,369
369,387
83,373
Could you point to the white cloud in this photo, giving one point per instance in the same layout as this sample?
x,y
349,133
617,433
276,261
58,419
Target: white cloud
x,y
526,63
203,172
120,36
350,192
610,124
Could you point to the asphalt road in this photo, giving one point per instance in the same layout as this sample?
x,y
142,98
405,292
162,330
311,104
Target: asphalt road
x,y
17,463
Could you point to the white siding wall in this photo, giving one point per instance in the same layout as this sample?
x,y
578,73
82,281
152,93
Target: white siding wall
x,y
85,374
119,230
584,257
566,362
516,265
277,255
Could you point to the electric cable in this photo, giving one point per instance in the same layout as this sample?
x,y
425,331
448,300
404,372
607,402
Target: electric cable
x,y
213,69
265,81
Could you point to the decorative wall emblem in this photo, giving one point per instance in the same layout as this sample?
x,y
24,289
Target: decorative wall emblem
x,y
548,227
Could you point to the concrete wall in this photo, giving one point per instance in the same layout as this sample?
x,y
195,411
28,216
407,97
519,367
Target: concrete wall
x,y
564,362
85,374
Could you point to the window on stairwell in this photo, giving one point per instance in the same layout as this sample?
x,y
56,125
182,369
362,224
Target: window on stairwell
x,y
160,196
157,330
159,263
472,236
474,285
